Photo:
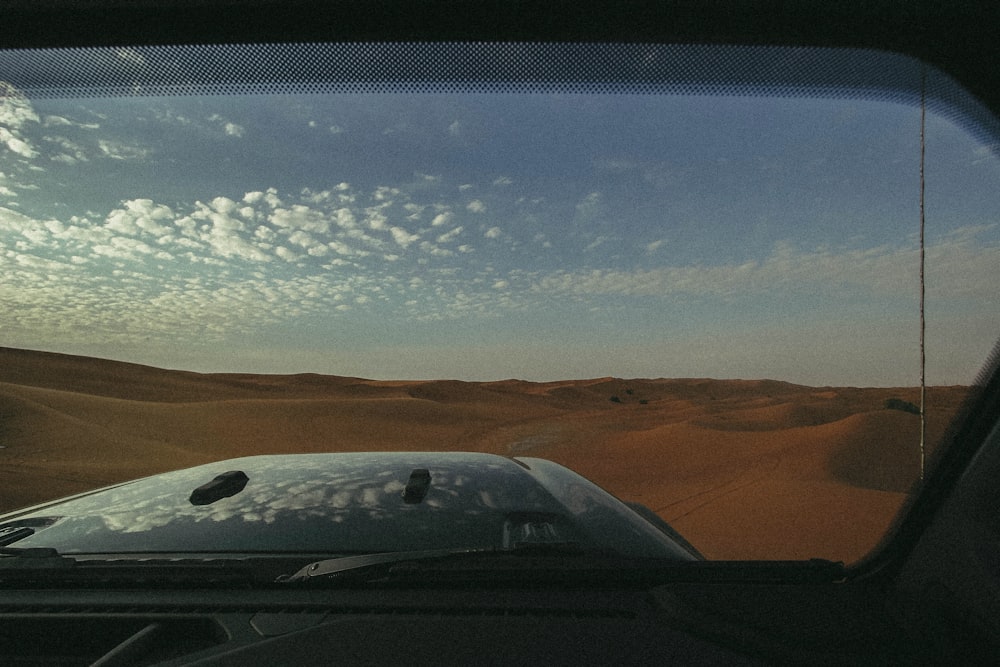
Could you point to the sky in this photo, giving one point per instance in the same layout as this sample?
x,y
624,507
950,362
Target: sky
x,y
493,236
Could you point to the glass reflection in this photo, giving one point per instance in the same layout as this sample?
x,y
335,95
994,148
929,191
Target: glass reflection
x,y
341,503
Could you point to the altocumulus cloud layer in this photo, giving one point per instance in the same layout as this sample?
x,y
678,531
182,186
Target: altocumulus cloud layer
x,y
226,264
118,236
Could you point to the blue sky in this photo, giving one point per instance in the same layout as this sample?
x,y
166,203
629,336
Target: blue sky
x,y
491,236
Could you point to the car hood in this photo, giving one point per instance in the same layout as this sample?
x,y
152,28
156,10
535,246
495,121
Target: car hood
x,y
344,503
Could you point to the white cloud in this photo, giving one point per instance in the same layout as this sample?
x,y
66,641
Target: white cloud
x,y
376,219
301,217
15,108
15,113
321,197
59,121
476,206
172,117
286,254
16,221
955,267
123,248
224,233
450,236
142,215
117,150
345,219
434,250
492,233
588,207
224,205
36,236
229,128
441,219
133,308
34,262
4,189
318,250
385,194
55,226
403,237
71,152
340,248
301,238
16,144
415,211
132,246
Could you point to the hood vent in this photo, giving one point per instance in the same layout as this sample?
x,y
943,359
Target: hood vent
x,y
417,486
223,486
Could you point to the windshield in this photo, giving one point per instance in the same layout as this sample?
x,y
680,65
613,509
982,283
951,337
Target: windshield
x,y
703,296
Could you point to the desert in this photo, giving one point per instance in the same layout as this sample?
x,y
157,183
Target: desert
x,y
744,469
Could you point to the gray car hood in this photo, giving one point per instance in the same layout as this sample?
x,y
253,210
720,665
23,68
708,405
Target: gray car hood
x,y
344,503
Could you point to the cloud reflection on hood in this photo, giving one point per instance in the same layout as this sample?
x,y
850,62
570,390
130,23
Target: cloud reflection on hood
x,y
342,502
349,503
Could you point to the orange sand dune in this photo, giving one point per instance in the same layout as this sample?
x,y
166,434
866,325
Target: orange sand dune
x,y
743,468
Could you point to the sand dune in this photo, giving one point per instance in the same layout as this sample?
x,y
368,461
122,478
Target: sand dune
x,y
743,468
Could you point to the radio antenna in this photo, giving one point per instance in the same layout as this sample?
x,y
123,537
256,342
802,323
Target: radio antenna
x,y
923,357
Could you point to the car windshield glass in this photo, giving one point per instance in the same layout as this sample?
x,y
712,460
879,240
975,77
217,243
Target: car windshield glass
x,y
691,276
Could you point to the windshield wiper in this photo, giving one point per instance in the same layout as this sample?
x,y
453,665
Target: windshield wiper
x,y
33,557
45,566
333,566
546,562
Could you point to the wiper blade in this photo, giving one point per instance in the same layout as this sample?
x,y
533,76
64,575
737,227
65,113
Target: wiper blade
x,y
323,568
33,557
29,552
541,562
42,566
332,566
